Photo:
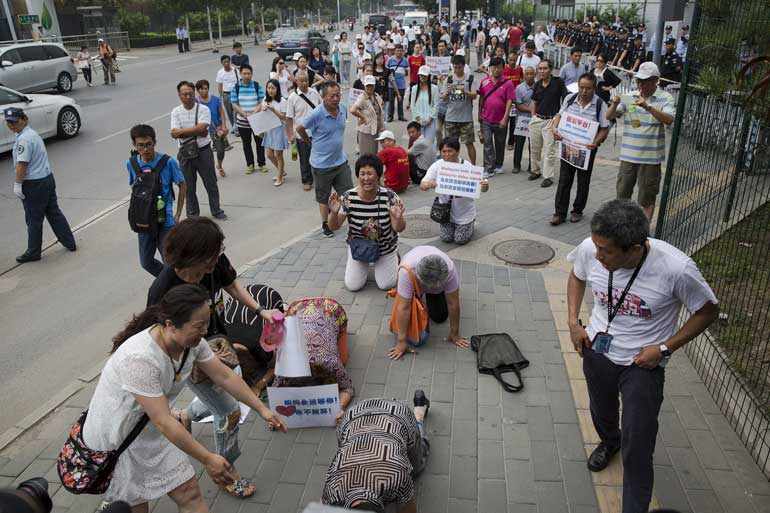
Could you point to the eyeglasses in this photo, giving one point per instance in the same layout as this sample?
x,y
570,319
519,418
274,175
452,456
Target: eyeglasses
x,y
145,146
281,62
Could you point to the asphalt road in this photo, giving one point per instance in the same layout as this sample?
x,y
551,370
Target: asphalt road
x,y
60,314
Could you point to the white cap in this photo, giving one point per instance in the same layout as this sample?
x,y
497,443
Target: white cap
x,y
647,70
296,56
367,56
369,80
100,40
530,38
336,38
424,70
391,46
460,51
386,134
387,32
358,36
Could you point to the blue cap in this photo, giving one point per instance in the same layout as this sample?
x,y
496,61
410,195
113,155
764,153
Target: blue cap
x,y
13,114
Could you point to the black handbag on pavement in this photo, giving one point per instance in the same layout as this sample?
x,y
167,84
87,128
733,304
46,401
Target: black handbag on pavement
x,y
497,353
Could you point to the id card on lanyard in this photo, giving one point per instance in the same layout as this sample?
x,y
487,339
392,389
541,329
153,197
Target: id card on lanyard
x,y
603,340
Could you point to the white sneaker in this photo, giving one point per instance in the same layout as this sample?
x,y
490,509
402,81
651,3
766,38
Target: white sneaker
x,y
499,171
489,175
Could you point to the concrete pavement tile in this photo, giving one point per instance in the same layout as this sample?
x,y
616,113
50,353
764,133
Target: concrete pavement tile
x,y
252,452
300,461
724,433
265,481
551,350
422,373
51,452
327,448
535,392
492,496
440,421
359,359
252,507
466,375
222,502
439,460
545,461
536,286
703,397
464,438
672,431
62,498
485,271
704,501
372,390
489,390
465,404
443,387
286,498
433,493
660,456
668,489
562,407
540,423
314,486
516,442
748,473
541,311
485,285
587,427
463,477
399,390
446,356
578,484
490,423
22,459
378,370
520,481
689,413
536,367
86,503
556,378
461,506
491,461
280,446
516,507
570,442
708,451
551,497
731,494
514,409
688,467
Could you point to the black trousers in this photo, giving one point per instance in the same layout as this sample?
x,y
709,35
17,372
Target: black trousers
x,y
438,310
415,173
305,171
87,74
642,392
40,203
567,174
518,151
180,45
187,44
246,135
203,166
392,104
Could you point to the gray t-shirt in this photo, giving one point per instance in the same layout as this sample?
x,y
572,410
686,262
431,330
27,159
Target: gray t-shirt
x,y
424,153
459,105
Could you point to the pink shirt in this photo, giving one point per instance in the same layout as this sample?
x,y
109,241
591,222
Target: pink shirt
x,y
411,260
494,104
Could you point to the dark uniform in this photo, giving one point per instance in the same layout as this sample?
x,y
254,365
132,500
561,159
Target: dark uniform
x,y
633,52
670,65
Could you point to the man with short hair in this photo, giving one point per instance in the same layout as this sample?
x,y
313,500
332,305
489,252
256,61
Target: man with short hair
x,y
547,96
459,95
514,36
218,126
107,57
633,55
681,44
301,103
529,58
496,95
571,71
328,160
522,108
143,139
186,38
34,185
645,114
585,105
670,64
190,124
246,96
422,154
180,38
399,66
541,38
396,162
239,58
639,286
227,77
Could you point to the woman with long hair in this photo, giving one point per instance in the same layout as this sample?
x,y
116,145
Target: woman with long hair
x,y
279,72
424,99
275,141
384,77
605,78
151,359
346,57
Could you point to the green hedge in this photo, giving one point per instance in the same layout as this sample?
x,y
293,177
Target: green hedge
x,y
145,41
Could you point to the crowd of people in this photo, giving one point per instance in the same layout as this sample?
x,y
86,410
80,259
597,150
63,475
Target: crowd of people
x,y
189,335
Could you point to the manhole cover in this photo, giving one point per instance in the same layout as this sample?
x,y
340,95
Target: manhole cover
x,y
419,226
523,252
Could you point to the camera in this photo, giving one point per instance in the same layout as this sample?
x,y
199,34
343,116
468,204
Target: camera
x,y
31,496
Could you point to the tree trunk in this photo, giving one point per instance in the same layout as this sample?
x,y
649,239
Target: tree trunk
x,y
211,33
219,22
243,24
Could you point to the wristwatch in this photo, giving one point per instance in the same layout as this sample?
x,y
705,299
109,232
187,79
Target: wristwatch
x,y
259,310
664,351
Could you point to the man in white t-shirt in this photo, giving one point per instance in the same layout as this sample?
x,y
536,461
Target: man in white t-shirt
x,y
639,286
227,77
190,122
301,102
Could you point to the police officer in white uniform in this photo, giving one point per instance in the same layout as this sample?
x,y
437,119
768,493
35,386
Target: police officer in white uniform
x,y
35,187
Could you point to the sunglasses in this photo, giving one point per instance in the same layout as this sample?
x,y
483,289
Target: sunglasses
x,y
281,62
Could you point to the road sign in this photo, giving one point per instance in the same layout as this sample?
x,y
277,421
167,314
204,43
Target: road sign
x,y
28,19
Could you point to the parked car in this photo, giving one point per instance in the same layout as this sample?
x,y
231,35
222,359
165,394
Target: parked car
x,y
301,41
29,67
381,21
275,37
50,115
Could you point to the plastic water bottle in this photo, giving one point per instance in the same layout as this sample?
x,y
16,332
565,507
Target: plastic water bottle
x,y
294,152
161,206
272,333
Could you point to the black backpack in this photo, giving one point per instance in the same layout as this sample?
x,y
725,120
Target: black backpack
x,y
599,104
142,208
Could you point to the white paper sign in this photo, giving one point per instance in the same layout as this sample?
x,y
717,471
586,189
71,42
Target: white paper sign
x,y
459,179
292,359
522,126
263,121
438,65
578,130
354,94
578,156
301,407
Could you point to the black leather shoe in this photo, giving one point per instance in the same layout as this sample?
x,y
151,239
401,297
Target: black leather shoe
x,y
546,183
600,458
23,259
534,176
420,399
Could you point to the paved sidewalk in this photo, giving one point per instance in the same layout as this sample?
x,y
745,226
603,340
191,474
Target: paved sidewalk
x,y
491,451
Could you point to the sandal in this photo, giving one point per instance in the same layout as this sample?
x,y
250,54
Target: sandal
x,y
177,414
279,180
241,489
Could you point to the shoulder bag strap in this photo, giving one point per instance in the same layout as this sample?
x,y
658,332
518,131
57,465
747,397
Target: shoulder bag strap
x,y
144,419
415,287
507,386
500,84
302,95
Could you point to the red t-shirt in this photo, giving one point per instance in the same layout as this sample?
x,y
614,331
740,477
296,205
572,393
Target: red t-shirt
x,y
514,74
514,37
414,66
396,163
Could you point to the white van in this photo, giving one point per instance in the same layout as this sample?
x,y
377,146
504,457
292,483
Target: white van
x,y
417,17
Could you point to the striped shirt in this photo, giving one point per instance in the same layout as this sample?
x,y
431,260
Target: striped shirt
x,y
645,143
379,445
247,97
364,218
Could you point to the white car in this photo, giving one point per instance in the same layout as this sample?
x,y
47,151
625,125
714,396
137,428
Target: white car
x,y
49,115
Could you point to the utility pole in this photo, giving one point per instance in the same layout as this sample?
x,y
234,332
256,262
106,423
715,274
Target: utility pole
x,y
211,32
338,14
219,22
658,30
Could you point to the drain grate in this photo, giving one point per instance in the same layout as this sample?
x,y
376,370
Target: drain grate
x,y
523,252
419,226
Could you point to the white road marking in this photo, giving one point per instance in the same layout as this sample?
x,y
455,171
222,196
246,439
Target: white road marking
x,y
126,130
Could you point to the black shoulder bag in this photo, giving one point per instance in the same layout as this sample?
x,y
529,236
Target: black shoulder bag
x,y
367,250
497,353
189,148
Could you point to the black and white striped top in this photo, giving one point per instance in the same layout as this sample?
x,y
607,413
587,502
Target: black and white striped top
x,y
363,218
378,448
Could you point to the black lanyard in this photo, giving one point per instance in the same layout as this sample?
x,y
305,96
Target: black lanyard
x,y
613,311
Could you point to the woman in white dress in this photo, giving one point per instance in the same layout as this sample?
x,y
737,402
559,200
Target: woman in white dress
x,y
146,372
275,141
281,73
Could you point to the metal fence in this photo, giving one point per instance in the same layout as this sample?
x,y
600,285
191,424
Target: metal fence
x,y
118,40
715,206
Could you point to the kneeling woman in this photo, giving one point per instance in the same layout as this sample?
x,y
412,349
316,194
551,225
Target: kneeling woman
x,y
462,211
151,360
375,216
